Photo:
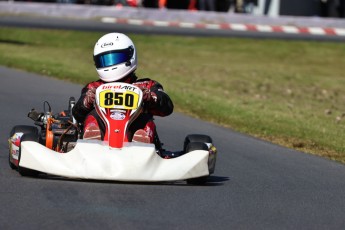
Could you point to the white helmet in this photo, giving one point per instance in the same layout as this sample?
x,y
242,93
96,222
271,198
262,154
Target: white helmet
x,y
114,56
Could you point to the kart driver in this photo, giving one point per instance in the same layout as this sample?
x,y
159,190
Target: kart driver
x,y
115,58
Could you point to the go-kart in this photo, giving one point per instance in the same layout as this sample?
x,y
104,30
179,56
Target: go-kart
x,y
57,148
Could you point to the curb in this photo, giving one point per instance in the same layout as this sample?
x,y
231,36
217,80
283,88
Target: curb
x,y
231,27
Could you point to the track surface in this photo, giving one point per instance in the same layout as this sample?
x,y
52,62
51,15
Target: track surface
x,y
256,185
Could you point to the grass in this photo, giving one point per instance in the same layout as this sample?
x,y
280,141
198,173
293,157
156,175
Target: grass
x,y
288,92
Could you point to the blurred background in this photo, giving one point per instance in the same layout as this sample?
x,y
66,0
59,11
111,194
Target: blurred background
x,y
318,8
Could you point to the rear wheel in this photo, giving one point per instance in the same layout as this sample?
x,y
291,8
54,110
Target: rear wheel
x,y
25,171
196,138
24,129
189,148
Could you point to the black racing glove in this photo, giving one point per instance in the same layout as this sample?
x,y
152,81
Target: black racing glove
x,y
89,98
146,94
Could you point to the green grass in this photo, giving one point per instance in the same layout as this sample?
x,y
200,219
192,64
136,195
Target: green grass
x,y
288,92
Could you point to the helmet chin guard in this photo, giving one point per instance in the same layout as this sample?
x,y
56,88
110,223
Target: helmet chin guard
x,y
115,57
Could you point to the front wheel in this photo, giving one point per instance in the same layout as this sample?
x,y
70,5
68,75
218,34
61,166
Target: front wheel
x,y
189,148
14,142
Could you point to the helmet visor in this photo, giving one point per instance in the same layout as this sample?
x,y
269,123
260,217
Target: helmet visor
x,y
113,57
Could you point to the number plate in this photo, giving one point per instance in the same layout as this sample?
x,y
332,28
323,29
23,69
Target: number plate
x,y
123,99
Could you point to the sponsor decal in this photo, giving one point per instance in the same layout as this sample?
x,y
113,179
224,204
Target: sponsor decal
x,y
111,86
118,116
15,153
125,87
105,44
15,139
14,145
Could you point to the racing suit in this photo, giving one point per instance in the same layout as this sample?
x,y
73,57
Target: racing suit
x,y
156,102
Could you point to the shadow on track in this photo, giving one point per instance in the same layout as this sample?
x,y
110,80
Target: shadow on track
x,y
211,181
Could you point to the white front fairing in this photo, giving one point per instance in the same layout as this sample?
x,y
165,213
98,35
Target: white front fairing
x,y
94,160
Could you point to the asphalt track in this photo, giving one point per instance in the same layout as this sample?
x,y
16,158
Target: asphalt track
x,y
257,185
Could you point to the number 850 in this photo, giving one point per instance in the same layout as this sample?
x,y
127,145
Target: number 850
x,y
127,100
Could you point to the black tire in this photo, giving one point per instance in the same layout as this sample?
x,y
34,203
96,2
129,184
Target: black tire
x,y
12,166
25,129
191,147
25,171
196,138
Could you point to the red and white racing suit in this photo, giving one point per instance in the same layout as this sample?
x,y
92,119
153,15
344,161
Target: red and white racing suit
x,y
157,103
